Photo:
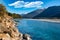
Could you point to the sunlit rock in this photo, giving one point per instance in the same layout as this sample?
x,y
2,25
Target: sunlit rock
x,y
8,30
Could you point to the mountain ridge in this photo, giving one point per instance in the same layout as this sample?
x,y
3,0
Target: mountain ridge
x,y
33,13
50,12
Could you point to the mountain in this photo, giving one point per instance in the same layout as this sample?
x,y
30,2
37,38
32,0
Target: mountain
x,y
51,12
33,13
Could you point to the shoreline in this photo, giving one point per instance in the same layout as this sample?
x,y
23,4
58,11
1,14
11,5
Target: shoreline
x,y
47,20
50,20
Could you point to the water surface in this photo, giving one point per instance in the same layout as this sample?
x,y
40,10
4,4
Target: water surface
x,y
40,30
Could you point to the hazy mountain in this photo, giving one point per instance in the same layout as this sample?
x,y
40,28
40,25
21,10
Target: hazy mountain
x,y
33,13
51,12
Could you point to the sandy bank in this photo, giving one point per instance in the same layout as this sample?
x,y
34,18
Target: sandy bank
x,y
47,20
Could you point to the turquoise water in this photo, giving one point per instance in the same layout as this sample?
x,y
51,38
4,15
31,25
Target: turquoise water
x,y
40,30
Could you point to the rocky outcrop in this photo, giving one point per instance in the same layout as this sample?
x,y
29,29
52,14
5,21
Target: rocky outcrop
x,y
8,30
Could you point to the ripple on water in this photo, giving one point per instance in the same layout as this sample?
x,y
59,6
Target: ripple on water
x,y
40,30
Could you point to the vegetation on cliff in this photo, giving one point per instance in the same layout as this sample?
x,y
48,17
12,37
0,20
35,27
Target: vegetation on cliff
x,y
14,15
4,11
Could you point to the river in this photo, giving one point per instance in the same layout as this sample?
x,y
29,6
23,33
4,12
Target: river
x,y
39,30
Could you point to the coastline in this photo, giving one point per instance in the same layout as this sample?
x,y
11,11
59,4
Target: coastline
x,y
50,20
47,20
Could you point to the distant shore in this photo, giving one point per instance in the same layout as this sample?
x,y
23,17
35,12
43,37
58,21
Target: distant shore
x,y
47,20
50,20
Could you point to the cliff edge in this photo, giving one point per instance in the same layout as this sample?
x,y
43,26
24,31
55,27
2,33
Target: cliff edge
x,y
8,30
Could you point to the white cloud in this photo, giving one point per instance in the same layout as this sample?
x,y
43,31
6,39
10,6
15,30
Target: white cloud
x,y
22,4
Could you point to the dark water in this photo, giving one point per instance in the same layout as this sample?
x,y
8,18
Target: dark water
x,y
40,30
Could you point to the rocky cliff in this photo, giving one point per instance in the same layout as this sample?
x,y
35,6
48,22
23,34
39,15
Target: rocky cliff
x,y
8,30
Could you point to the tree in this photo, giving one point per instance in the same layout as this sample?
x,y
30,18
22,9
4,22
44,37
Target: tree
x,y
2,10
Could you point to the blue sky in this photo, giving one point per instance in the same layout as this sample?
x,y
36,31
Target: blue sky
x,y
26,6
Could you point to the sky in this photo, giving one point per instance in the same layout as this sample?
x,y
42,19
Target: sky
x,y
26,6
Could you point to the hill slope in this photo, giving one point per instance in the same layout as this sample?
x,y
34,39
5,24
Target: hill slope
x,y
51,12
33,13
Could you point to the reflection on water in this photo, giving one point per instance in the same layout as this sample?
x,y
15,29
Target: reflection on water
x,y
40,30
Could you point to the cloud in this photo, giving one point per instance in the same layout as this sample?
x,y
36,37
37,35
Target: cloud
x,y
22,4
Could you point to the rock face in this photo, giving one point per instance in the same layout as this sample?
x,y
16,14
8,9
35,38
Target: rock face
x,y
8,30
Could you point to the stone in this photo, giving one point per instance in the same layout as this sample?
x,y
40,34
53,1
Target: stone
x,y
8,30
